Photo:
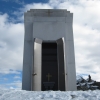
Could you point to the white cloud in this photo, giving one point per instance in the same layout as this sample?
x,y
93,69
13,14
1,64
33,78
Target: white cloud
x,y
11,45
17,84
37,6
14,85
16,77
11,87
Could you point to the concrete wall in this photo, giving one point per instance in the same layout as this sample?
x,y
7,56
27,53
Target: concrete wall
x,y
28,56
49,25
37,65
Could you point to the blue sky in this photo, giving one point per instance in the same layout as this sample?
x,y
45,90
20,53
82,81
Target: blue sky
x,y
86,30
9,6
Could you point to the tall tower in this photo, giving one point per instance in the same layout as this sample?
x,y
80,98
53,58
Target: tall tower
x,y
48,62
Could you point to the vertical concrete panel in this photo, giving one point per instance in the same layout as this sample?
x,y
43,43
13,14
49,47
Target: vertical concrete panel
x,y
61,69
71,78
65,66
69,55
27,59
70,64
37,65
69,31
28,31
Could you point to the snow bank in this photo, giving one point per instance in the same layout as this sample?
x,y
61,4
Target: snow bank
x,y
49,95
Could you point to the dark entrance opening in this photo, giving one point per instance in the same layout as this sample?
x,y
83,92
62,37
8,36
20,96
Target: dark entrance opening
x,y
49,66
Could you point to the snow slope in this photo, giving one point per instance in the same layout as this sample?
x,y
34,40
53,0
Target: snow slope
x,y
49,95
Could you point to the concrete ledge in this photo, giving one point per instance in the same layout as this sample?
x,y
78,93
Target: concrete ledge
x,y
48,12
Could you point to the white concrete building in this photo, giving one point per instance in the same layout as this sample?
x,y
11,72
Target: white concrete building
x,y
48,62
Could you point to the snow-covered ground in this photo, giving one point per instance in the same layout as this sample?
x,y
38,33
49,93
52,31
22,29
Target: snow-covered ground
x,y
49,95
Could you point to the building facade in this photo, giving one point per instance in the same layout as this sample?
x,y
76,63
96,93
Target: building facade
x,y
48,61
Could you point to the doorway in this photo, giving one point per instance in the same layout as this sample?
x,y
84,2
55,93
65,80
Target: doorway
x,y
49,75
